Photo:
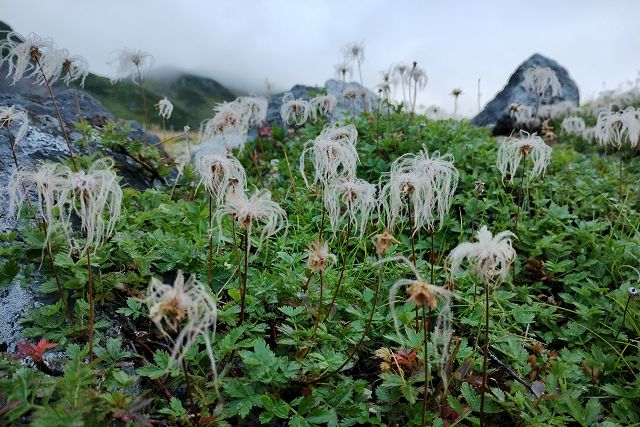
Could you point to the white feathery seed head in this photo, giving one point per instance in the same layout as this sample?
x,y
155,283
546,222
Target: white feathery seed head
x,y
294,111
230,123
9,115
538,80
250,211
358,198
77,68
91,195
46,182
221,174
51,63
422,294
20,51
418,77
318,256
165,108
186,309
130,63
322,105
513,150
254,109
613,126
333,154
426,182
354,52
573,125
343,70
490,256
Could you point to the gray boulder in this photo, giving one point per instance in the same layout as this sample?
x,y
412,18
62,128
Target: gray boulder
x,y
345,107
496,112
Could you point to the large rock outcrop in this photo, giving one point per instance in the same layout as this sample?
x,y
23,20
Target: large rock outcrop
x,y
496,112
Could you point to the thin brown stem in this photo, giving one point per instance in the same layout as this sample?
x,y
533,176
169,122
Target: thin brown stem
x,y
80,116
55,105
306,285
364,333
91,305
426,324
342,269
486,353
187,382
54,270
144,104
243,288
210,267
319,313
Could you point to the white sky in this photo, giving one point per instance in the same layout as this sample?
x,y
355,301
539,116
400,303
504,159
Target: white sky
x,y
243,42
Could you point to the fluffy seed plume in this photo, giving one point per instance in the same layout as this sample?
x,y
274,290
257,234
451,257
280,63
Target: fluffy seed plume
x,y
77,68
538,80
254,109
343,70
91,195
333,154
165,108
220,174
229,123
10,116
490,256
186,309
358,198
513,150
318,256
294,111
130,63
422,293
426,182
613,126
20,50
45,182
249,211
573,125
322,106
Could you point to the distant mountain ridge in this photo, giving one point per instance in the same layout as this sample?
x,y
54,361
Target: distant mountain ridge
x,y
192,96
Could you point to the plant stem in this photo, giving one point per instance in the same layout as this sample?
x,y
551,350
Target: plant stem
x,y
54,270
210,269
187,382
364,333
342,269
486,353
144,104
433,254
620,178
55,105
624,316
243,287
306,285
80,117
91,305
413,255
426,324
315,326
519,208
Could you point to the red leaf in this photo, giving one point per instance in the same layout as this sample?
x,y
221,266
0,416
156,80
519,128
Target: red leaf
x,y
35,352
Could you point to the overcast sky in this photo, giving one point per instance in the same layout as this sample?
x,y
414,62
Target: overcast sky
x,y
242,42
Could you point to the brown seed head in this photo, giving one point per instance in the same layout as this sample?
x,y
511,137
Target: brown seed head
x,y
420,295
384,242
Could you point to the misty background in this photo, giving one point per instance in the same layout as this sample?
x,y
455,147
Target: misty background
x,y
242,43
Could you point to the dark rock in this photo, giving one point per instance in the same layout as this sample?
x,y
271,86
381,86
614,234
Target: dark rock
x,y
496,112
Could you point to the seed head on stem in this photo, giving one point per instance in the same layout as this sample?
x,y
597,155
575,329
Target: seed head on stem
x,y
513,150
490,256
